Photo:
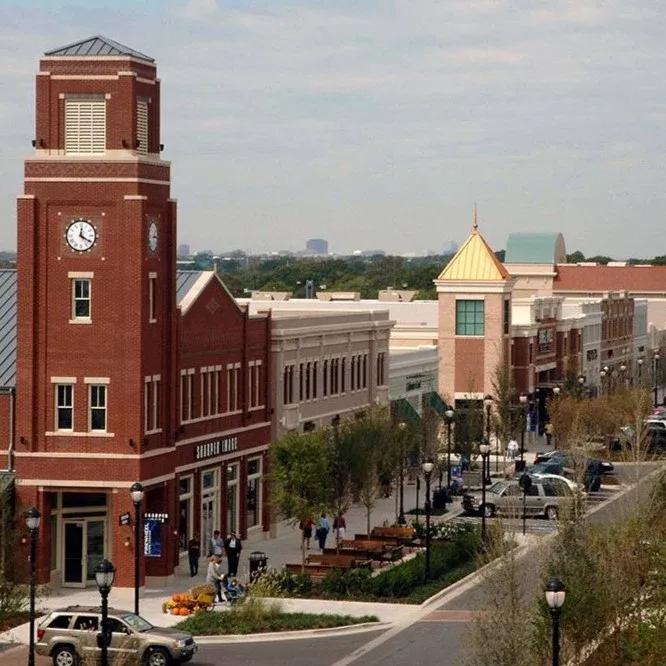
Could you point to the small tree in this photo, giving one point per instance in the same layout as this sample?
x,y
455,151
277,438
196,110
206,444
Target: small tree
x,y
370,460
300,477
341,453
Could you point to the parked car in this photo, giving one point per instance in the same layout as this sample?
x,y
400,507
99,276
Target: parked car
x,y
591,475
545,497
71,636
568,460
654,433
573,485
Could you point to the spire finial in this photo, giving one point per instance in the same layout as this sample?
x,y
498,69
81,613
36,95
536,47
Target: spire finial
x,y
475,225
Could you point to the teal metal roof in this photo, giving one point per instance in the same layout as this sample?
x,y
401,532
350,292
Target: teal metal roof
x,y
535,248
98,46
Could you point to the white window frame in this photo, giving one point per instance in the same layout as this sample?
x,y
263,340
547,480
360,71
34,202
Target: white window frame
x,y
58,406
152,296
74,318
151,412
233,375
183,497
92,407
84,123
260,497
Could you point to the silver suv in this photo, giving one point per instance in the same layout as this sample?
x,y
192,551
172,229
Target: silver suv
x,y
71,636
544,498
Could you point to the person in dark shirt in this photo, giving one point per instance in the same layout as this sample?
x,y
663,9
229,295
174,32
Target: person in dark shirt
x,y
193,554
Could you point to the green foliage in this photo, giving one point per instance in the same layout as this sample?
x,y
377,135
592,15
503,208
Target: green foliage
x,y
256,616
353,582
281,583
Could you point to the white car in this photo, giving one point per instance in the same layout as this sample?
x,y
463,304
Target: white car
x,y
573,486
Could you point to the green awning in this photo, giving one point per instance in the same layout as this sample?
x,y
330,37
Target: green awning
x,y
436,402
402,410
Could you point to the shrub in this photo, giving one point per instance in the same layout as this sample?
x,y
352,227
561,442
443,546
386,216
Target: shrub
x,y
353,582
281,583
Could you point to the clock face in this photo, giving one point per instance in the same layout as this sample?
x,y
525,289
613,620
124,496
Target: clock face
x,y
81,235
152,237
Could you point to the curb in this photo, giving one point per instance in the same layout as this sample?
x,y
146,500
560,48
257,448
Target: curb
x,y
346,630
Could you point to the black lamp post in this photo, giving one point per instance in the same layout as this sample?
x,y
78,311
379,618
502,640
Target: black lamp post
x,y
623,375
137,494
402,426
525,483
581,384
523,402
484,449
602,376
555,594
449,414
639,365
104,575
655,368
488,404
427,472
32,520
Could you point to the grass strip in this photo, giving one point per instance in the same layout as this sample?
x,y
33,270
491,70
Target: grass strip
x,y
221,623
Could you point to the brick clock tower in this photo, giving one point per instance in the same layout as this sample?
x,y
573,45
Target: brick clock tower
x,y
96,357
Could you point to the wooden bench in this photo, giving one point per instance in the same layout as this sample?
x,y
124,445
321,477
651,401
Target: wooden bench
x,y
404,535
389,550
340,561
315,572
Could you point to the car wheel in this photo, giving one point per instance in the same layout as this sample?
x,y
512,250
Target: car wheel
x,y
157,657
551,512
488,510
64,655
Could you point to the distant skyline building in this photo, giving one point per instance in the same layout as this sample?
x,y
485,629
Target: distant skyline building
x,y
183,250
316,246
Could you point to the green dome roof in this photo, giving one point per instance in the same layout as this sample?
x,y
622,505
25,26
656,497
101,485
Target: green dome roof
x,y
535,248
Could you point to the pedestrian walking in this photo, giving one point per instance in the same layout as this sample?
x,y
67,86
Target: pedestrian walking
x,y
214,575
323,528
216,544
512,449
232,548
306,527
550,431
339,526
193,554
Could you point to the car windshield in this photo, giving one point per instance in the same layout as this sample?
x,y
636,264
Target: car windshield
x,y
137,623
497,487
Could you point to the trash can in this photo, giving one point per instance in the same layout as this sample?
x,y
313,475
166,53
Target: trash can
x,y
439,498
258,564
520,466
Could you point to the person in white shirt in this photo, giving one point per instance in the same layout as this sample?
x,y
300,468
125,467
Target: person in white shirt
x,y
512,449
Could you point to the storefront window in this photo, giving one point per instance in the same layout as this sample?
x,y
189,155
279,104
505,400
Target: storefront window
x,y
184,511
54,542
253,492
210,486
232,498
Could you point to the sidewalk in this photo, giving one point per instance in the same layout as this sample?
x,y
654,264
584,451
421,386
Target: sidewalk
x,y
281,550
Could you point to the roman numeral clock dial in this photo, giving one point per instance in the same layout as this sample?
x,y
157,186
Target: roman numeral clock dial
x,y
81,235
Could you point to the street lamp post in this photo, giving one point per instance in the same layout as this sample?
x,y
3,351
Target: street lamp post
x,y
427,472
623,375
488,404
449,414
104,575
484,449
602,375
32,520
581,384
555,594
525,482
523,402
655,368
402,426
639,379
137,494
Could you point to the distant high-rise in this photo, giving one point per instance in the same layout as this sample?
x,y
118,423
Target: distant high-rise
x,y
316,246
183,250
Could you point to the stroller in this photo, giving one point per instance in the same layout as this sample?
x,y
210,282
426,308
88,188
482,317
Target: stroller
x,y
232,590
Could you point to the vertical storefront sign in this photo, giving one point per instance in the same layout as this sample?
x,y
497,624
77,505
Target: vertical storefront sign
x,y
152,538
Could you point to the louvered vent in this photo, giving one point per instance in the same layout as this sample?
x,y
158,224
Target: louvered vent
x,y
85,126
142,125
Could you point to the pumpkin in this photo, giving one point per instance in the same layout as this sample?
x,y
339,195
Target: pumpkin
x,y
185,611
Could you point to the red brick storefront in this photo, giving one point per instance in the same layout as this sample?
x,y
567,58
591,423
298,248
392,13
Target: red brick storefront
x,y
109,338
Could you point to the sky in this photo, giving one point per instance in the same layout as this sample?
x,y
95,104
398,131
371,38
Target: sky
x,y
378,124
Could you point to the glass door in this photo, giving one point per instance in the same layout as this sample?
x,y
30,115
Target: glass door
x,y
94,547
208,517
73,572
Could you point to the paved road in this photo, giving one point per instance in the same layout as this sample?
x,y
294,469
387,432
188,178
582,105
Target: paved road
x,y
438,635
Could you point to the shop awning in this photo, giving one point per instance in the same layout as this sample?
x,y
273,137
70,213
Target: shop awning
x,y
436,402
402,410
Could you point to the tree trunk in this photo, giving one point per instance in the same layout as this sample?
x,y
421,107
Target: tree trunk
x,y
302,552
368,510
